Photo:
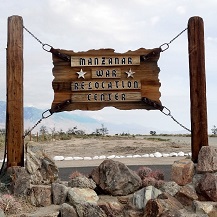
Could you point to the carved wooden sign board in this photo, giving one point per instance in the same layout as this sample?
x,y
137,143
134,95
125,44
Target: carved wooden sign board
x,y
96,79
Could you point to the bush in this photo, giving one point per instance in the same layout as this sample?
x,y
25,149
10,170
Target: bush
x,y
9,204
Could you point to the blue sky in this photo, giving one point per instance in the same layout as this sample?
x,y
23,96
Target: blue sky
x,y
122,25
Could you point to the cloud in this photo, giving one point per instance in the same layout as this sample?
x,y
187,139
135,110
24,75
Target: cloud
x,y
181,10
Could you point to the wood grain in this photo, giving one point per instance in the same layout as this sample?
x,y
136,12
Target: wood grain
x,y
196,51
66,81
14,117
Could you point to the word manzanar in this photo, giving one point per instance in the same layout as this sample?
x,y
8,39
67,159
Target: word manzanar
x,y
104,61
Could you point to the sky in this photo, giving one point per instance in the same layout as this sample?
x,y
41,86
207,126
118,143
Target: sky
x,y
122,25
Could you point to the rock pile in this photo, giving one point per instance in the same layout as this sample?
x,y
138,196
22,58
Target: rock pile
x,y
113,190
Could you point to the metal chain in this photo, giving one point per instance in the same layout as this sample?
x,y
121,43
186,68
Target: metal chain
x,y
38,122
158,106
51,111
166,45
45,46
170,115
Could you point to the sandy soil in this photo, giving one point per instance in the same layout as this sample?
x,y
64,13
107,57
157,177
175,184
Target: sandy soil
x,y
90,147
117,145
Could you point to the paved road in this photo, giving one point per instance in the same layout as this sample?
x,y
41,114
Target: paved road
x,y
64,172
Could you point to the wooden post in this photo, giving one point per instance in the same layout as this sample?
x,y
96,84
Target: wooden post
x,y
14,117
199,134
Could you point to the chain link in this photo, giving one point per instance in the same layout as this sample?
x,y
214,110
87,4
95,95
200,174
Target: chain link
x,y
38,122
170,115
163,109
44,45
165,46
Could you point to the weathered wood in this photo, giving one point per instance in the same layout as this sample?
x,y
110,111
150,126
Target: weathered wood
x,y
199,134
14,117
102,72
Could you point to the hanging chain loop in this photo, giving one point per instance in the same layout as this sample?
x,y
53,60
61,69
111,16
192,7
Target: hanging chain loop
x,y
47,113
165,46
43,44
163,109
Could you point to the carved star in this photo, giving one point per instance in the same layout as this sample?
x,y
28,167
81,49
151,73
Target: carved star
x,y
81,74
130,73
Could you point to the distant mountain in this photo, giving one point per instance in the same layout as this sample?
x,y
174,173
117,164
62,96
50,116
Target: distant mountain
x,y
66,120
63,120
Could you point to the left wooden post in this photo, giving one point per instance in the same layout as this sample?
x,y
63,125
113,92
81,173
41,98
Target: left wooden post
x,y
14,115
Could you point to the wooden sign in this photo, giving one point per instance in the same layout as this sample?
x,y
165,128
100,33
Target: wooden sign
x,y
98,78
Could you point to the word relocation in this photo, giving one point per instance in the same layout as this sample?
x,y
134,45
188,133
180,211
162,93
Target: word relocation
x,y
104,61
105,85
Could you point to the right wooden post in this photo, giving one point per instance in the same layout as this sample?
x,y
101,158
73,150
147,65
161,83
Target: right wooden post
x,y
196,50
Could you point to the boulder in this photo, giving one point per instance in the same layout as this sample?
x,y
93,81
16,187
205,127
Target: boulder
x,y
82,196
40,166
2,214
204,207
40,195
207,160
207,186
82,182
20,180
89,210
49,211
67,210
170,187
115,178
59,193
186,195
182,171
111,208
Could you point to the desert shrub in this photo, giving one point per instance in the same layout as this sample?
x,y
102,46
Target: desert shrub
x,y
157,174
143,172
148,181
76,174
9,204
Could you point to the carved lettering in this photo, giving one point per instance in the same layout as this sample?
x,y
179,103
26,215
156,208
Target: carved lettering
x,y
105,85
106,73
107,97
104,61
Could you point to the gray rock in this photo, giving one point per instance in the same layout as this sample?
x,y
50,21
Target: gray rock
x,y
20,180
151,193
207,187
188,213
207,159
82,182
67,211
49,211
41,167
82,196
89,210
40,195
59,192
138,199
204,207
2,214
170,187
115,178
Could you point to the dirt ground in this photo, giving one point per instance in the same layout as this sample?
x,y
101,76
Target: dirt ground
x,y
117,145
112,145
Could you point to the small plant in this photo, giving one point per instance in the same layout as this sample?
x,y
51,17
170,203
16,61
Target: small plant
x,y
9,204
143,172
214,130
153,132
157,174
76,174
149,177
